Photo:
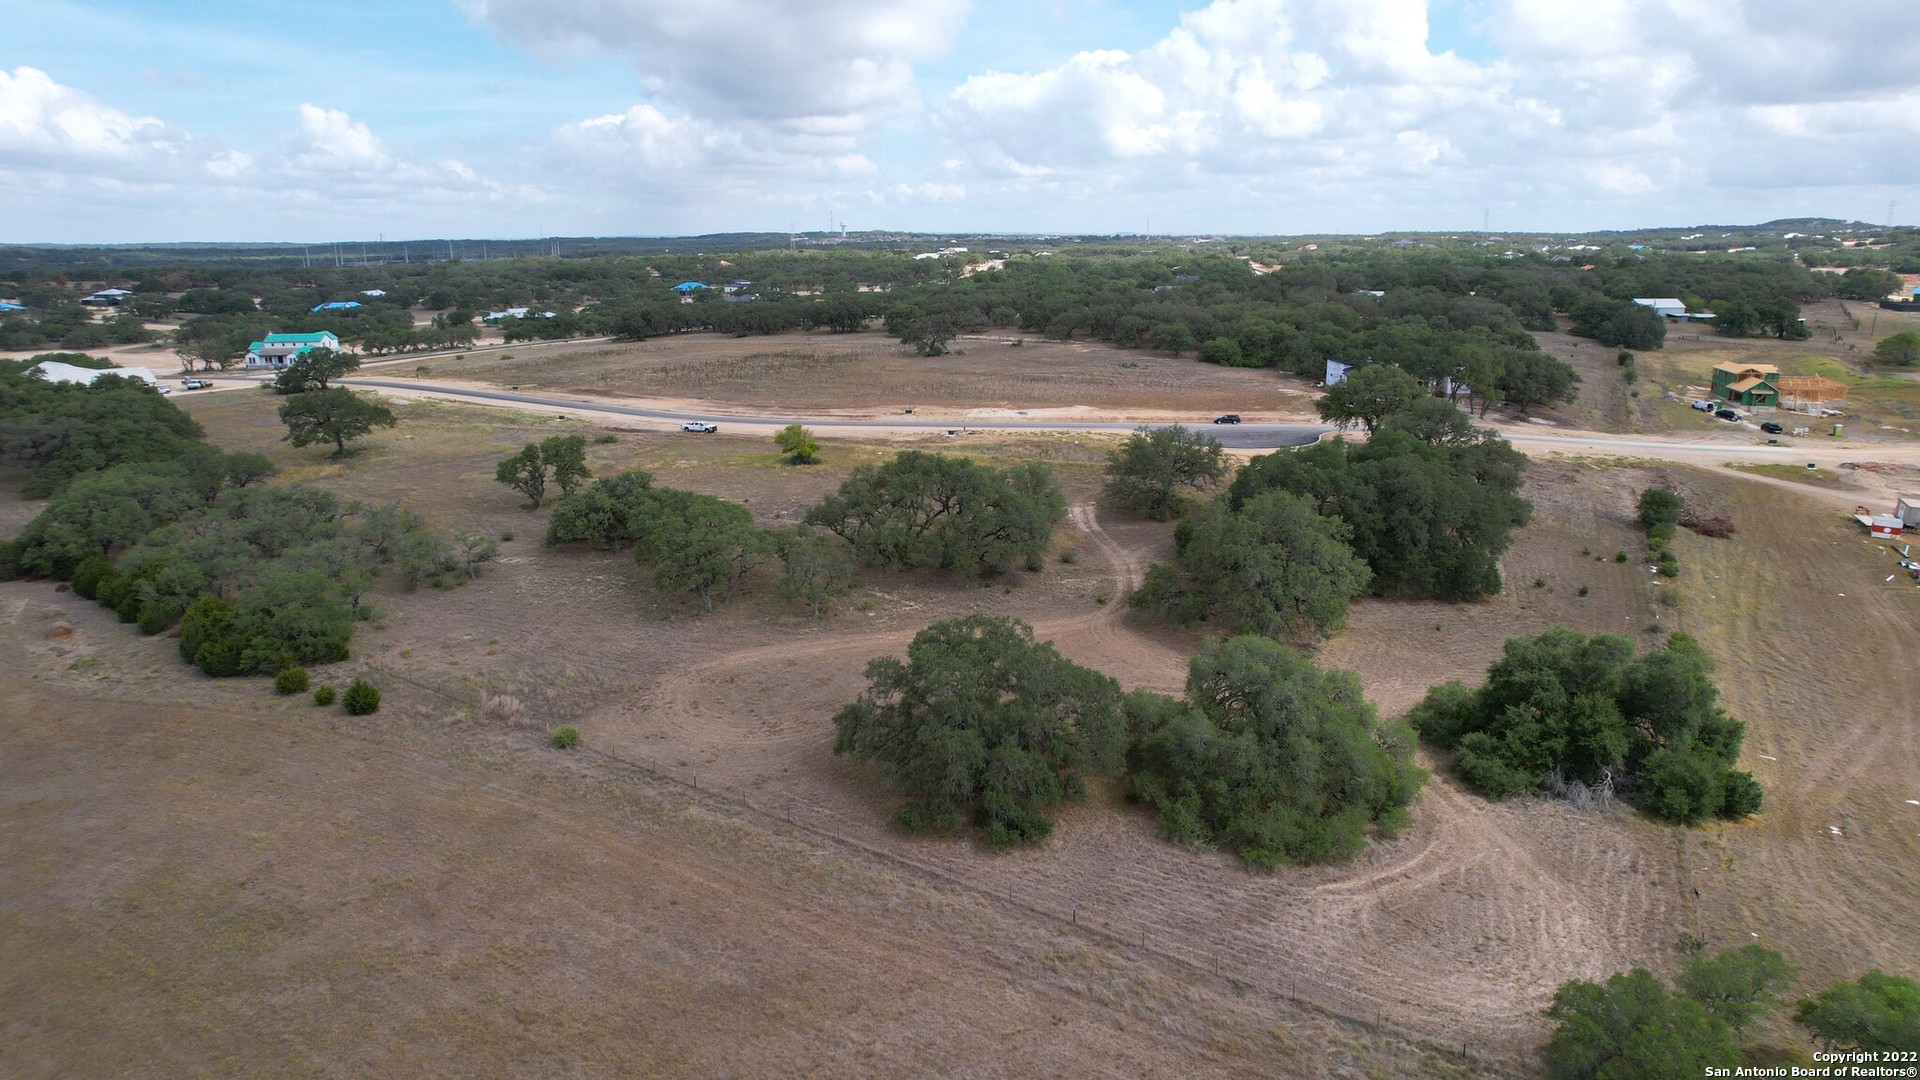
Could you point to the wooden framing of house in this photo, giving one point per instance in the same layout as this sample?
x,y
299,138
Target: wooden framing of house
x,y
1804,393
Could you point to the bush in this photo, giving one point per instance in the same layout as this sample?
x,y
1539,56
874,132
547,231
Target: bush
x,y
87,576
566,737
324,696
292,680
361,699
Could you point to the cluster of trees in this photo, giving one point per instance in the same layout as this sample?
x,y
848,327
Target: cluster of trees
x,y
62,321
1267,755
698,543
945,512
1563,706
1424,508
1633,1026
1431,501
1270,757
170,531
1146,474
58,431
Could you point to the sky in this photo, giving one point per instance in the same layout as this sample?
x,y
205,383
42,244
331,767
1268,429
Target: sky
x,y
126,121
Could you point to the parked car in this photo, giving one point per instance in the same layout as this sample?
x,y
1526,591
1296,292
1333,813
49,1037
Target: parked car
x,y
1230,418
1727,414
196,384
699,425
1771,428
1704,406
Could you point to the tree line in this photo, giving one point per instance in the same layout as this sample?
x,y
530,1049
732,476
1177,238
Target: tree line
x,y
150,521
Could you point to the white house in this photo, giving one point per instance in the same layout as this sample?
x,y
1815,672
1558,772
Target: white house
x,y
279,350
1668,306
1337,372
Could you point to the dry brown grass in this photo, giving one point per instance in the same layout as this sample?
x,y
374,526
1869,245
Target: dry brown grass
x,y
467,898
824,374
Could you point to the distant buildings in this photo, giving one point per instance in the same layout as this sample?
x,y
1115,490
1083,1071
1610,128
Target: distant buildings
x,y
1667,306
337,305
107,298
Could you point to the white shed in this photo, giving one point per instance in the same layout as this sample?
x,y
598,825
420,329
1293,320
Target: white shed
x,y
1668,306
1908,510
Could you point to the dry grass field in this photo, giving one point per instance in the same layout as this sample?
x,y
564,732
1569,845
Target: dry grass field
x,y
870,374
707,890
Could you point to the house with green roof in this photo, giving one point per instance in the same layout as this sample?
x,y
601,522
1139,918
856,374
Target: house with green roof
x,y
278,350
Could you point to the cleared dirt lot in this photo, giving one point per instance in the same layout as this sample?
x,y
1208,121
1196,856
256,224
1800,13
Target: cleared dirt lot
x,y
553,882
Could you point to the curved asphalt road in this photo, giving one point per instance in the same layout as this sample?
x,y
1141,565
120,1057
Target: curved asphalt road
x,y
1238,436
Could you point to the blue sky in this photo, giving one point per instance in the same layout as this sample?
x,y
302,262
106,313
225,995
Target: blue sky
x,y
275,120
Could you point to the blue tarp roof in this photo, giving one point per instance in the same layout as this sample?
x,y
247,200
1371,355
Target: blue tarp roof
x,y
4,306
338,305
689,286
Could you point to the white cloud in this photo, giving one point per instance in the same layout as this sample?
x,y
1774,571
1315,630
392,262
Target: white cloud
x,y
330,139
832,64
45,121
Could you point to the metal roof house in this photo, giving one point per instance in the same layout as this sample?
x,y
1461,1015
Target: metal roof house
x,y
1668,306
686,287
55,371
106,297
279,350
337,305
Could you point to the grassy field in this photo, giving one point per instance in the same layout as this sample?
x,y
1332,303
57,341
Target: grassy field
x,y
708,890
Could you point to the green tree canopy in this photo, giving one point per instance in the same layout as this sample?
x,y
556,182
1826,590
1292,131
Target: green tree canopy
x,y
333,415
1564,704
1902,348
798,444
1368,395
1876,1012
1271,757
562,456
699,544
1273,567
1632,1028
936,510
1145,473
313,370
982,722
1429,520
612,512
815,568
1736,985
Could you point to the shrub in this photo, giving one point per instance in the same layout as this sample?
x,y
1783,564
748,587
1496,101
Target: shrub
x,y
361,699
324,696
605,440
566,737
293,680
87,576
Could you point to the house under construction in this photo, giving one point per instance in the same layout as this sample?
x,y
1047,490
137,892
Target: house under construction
x,y
1811,393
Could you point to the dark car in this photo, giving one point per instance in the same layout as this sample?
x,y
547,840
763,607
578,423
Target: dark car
x,y
1771,428
1230,418
1727,414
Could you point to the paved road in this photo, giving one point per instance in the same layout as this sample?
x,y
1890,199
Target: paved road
x,y
1238,436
